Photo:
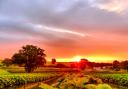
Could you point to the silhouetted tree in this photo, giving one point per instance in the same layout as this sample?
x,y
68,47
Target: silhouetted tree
x,y
7,62
32,57
116,65
53,61
83,63
124,65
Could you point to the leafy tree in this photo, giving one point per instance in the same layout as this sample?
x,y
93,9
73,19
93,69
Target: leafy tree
x,y
31,56
116,65
19,59
53,61
7,62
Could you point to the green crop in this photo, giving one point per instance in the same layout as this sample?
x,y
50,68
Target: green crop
x,y
10,80
118,79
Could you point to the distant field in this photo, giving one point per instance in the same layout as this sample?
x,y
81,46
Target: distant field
x,y
40,70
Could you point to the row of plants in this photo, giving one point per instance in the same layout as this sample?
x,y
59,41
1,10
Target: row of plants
x,y
118,79
9,80
79,81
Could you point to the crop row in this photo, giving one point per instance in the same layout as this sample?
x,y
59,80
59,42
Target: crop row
x,y
80,81
24,78
118,79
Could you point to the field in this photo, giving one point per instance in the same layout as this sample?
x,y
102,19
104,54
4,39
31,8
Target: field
x,y
64,78
118,79
15,77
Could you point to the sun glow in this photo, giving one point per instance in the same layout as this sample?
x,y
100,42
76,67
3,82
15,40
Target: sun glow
x,y
94,58
76,58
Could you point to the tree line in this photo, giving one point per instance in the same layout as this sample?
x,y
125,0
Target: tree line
x,y
120,65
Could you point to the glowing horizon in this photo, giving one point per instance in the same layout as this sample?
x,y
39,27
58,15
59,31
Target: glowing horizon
x,y
104,59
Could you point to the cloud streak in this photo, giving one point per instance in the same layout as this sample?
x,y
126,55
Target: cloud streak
x,y
59,30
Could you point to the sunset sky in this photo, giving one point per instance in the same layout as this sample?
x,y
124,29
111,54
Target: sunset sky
x,y
66,29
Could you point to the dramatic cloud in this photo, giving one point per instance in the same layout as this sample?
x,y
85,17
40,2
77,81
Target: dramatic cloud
x,y
65,28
